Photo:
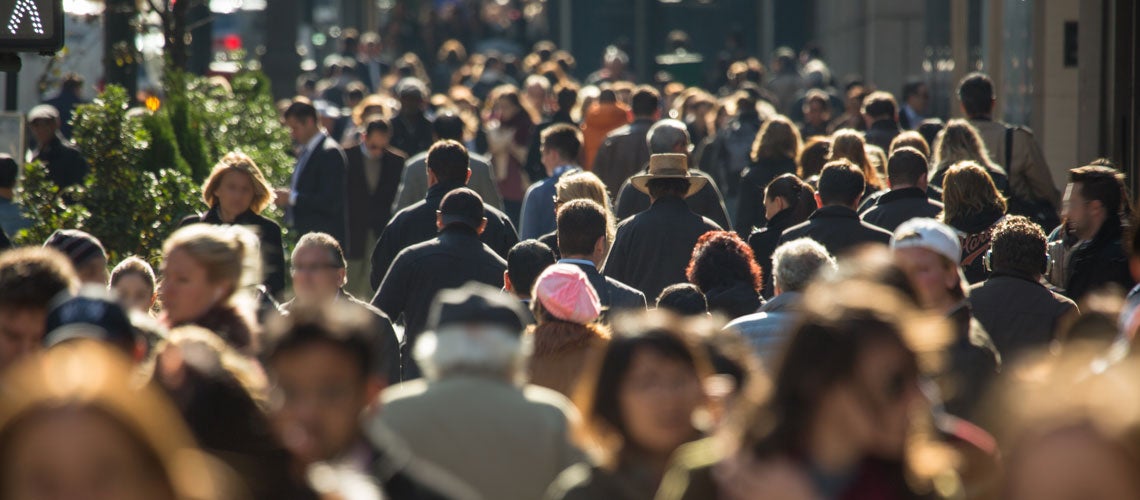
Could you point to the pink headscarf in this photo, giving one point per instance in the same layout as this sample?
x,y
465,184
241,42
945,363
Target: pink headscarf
x,y
565,292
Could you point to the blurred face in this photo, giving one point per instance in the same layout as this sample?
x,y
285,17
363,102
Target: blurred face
x,y
235,193
1068,465
773,205
316,278
1080,213
301,130
76,454
94,271
855,98
920,99
134,292
658,397
815,113
929,274
375,143
186,291
43,130
506,109
21,331
318,396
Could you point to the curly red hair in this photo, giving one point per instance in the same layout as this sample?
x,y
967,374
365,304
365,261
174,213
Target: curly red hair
x,y
721,258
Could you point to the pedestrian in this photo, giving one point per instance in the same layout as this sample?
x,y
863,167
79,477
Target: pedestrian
x,y
774,154
849,145
582,186
30,278
583,236
836,224
12,218
907,199
725,270
599,119
915,103
373,175
973,206
625,148
566,97
910,139
411,129
683,299
134,284
65,165
566,336
882,115
85,252
525,262
559,150
510,124
734,145
788,201
314,200
817,113
1096,198
69,97
414,184
959,142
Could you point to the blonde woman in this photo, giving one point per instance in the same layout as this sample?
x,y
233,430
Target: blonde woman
x,y
959,142
972,206
774,153
581,186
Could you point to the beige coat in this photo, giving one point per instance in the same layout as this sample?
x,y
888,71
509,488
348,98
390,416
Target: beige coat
x,y
1029,176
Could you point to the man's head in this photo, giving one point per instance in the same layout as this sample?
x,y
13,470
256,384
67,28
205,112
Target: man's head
x,y
318,269
1018,246
840,183
560,145
1094,195
85,252
880,106
301,118
371,44
683,299
907,168
582,228
473,330
325,366
929,252
92,314
525,261
796,263
448,161
29,279
461,208
377,134
911,139
9,171
567,96
668,136
817,107
413,95
645,102
447,126
43,121
916,95
976,91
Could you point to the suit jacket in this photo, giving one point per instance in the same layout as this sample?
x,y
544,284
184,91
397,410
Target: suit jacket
x,y
268,233
653,248
370,209
707,202
838,229
614,295
414,184
895,207
622,154
538,217
320,193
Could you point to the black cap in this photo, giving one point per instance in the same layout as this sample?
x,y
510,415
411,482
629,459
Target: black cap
x,y
475,303
462,205
91,314
77,245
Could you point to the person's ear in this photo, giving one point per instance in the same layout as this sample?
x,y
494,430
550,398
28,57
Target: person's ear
x,y
600,246
468,177
818,200
482,227
342,276
438,221
432,179
507,282
373,386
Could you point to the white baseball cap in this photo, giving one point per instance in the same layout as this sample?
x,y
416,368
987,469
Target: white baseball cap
x,y
929,234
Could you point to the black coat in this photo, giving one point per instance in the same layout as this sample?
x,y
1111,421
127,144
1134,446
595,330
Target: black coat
x,y
734,301
533,166
613,294
653,248
764,243
1098,262
368,209
838,229
416,224
65,165
389,343
551,240
422,270
1018,312
898,206
974,363
411,134
320,193
268,233
750,206
707,202
881,133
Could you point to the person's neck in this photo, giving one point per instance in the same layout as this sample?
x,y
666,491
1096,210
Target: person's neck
x,y
7,193
581,257
642,117
830,450
900,187
840,205
226,216
1093,231
307,140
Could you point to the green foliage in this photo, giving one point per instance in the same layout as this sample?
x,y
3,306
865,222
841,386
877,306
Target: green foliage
x,y
43,204
163,152
188,119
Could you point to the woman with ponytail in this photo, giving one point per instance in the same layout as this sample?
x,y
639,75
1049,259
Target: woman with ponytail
x,y
787,201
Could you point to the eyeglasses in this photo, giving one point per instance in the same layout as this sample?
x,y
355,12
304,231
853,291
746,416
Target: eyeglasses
x,y
312,268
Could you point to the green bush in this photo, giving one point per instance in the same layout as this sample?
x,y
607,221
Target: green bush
x,y
163,152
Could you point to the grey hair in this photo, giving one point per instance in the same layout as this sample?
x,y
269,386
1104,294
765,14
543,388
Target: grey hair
x,y
487,352
797,262
665,134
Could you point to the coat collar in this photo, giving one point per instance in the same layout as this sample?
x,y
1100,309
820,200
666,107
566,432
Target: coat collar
x,y
908,193
834,212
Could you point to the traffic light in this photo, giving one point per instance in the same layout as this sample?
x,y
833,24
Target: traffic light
x,y
31,26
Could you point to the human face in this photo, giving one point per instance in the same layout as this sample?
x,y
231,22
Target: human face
x,y
773,205
318,396
94,272
301,130
316,278
235,194
375,143
1070,464
21,331
815,113
186,291
134,292
920,99
71,454
1079,213
929,274
657,398
43,130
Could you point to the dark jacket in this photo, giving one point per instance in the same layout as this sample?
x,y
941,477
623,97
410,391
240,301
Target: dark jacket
x,y
734,301
551,240
838,229
750,206
974,362
976,235
881,133
268,233
1018,312
586,482
229,323
417,224
422,270
613,294
320,193
537,217
369,210
653,248
411,134
764,242
65,165
707,202
623,152
732,151
390,344
401,475
1098,262
900,205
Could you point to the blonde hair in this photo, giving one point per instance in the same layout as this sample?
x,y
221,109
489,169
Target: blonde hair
x,y
778,138
849,145
587,186
969,189
237,161
228,253
910,139
959,142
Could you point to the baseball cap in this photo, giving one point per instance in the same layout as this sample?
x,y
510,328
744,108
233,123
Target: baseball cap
x,y
929,234
90,314
462,205
475,303
43,112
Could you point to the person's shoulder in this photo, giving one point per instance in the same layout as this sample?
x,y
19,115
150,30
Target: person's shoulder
x,y
399,396
394,154
355,302
491,212
548,400
266,222
796,231
875,231
573,483
190,219
420,159
709,224
407,212
620,132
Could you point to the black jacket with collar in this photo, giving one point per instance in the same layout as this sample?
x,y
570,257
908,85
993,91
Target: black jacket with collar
x,y
881,133
750,206
320,193
370,209
764,242
613,294
268,233
837,228
416,224
65,164
1099,262
1018,311
900,205
707,202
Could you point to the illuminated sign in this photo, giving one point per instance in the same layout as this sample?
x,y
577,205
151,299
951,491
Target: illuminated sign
x,y
31,25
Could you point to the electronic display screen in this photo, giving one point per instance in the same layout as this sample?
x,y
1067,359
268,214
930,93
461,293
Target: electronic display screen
x,y
31,25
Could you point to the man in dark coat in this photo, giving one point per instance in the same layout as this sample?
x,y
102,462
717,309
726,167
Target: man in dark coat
x,y
314,201
835,224
411,130
1016,309
69,97
374,171
672,136
455,257
65,165
882,115
447,170
567,97
625,149
1094,199
653,248
582,242
907,199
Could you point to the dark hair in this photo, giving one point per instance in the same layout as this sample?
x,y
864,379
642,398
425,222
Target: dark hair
x,y
911,87
31,277
880,105
1018,244
355,91
1101,183
376,123
567,95
525,261
448,126
607,95
684,299
328,244
841,182
906,167
976,91
448,160
564,138
72,82
353,330
645,101
301,110
9,170
722,259
580,224
813,157
929,128
798,194
659,188
817,96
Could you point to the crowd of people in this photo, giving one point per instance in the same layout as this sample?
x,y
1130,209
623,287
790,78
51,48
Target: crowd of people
x,y
502,283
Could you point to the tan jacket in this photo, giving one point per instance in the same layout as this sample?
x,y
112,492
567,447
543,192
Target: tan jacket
x,y
1029,176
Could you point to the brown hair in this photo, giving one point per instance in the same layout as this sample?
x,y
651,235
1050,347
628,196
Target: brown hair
x,y
910,139
586,185
133,265
778,138
849,145
958,142
968,190
237,161
813,157
31,277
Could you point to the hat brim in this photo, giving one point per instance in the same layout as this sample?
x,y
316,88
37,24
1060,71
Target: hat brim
x,y
641,182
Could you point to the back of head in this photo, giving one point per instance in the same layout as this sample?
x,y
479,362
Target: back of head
x,y
841,183
968,190
301,110
31,277
910,139
976,91
1101,183
683,299
797,194
911,88
796,263
1018,245
448,126
9,171
564,138
813,157
563,293
720,260
929,129
645,101
665,135
567,96
778,138
473,330
849,145
525,261
80,247
580,224
957,142
880,105
448,161
906,168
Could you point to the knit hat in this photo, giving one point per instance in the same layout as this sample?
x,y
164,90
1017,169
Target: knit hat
x,y
929,234
566,293
77,245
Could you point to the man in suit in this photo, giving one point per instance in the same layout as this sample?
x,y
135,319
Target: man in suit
x,y
373,175
625,150
836,224
314,200
414,184
582,242
370,64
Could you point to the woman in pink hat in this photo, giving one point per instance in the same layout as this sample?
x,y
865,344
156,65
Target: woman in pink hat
x,y
566,335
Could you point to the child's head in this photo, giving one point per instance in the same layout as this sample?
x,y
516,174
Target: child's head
x,y
133,282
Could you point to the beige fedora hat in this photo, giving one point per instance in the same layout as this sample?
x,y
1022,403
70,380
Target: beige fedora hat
x,y
668,166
